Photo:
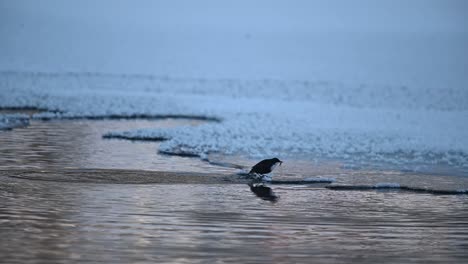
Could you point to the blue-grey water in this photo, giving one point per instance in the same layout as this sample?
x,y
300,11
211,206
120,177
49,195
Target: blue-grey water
x,y
48,221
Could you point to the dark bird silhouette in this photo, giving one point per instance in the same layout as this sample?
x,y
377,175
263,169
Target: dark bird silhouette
x,y
265,166
263,192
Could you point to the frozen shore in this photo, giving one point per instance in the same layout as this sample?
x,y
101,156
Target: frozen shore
x,y
356,81
405,127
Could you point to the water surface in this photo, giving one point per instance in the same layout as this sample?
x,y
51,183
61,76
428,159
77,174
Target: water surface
x,y
79,144
55,222
58,211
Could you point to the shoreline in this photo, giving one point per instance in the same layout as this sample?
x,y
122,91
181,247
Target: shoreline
x,y
120,176
125,176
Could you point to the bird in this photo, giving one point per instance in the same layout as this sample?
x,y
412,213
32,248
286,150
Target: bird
x,y
265,166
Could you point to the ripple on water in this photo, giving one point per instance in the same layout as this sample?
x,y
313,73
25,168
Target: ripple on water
x,y
71,144
50,221
204,223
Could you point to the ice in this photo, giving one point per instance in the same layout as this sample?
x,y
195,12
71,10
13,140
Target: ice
x,y
267,178
396,187
320,179
243,172
255,124
387,185
356,81
10,121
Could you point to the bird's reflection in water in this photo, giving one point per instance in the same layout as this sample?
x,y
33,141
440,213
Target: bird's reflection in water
x,y
264,192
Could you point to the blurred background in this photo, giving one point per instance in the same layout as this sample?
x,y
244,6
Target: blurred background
x,y
419,42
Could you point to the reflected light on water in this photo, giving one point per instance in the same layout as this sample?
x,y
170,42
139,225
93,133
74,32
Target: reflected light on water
x,y
79,144
51,221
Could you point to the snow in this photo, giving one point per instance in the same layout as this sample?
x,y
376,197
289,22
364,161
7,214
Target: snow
x,y
356,81
254,124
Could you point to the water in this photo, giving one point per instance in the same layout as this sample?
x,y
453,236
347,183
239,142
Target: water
x,y
79,144
55,222
343,175
61,218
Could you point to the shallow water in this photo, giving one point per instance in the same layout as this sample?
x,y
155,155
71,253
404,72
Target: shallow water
x,y
79,144
338,172
60,144
60,218
55,222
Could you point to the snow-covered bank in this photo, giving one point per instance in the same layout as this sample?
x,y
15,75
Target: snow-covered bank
x,y
10,121
349,80
264,117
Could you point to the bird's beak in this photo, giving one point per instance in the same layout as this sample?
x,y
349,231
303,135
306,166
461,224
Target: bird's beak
x,y
280,162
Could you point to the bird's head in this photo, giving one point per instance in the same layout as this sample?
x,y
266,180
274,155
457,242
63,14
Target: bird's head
x,y
277,160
